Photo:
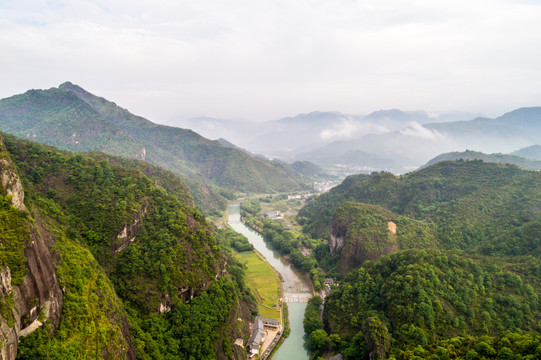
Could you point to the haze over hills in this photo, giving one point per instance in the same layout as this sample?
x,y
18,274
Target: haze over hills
x,y
530,152
73,119
414,145
288,137
391,140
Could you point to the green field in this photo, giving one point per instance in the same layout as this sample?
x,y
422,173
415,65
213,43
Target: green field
x,y
261,278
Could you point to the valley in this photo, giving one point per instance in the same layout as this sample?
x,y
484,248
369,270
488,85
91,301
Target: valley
x,y
397,243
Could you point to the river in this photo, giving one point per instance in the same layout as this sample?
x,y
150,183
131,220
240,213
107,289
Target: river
x,y
296,289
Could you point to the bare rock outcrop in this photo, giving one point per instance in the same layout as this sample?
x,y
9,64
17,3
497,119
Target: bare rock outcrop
x,y
127,234
38,298
362,232
9,180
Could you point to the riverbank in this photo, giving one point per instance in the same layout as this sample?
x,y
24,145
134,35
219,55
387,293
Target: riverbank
x,y
295,288
262,279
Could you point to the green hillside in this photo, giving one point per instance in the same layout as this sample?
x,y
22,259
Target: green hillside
x,y
438,263
468,202
73,119
184,150
431,297
139,268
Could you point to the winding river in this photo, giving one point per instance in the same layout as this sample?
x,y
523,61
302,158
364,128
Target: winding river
x,y
296,289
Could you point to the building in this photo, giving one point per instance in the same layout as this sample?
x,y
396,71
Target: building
x,y
270,322
275,215
258,336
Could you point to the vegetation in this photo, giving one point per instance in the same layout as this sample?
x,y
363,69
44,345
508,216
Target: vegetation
x,y
287,242
428,296
465,203
523,162
470,276
73,119
139,266
262,279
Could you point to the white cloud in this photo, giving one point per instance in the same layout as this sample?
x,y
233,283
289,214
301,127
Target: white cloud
x,y
349,129
419,131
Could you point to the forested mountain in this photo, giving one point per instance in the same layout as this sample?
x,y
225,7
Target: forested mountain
x,y
515,159
469,200
444,255
437,305
106,257
71,118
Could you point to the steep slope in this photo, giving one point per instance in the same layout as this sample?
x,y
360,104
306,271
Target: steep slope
x,y
184,150
73,119
361,232
59,118
139,268
449,250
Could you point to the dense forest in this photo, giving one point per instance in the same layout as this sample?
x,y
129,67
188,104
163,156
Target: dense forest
x,y
139,271
439,263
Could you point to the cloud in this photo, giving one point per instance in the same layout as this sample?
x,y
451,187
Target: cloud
x,y
419,131
348,129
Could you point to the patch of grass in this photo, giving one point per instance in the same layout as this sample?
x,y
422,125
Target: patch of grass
x,y
262,279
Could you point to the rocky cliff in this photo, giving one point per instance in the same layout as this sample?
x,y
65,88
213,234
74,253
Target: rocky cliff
x,y
362,232
26,304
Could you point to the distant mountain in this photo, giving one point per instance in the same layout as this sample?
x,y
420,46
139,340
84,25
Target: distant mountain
x,y
418,143
521,126
72,118
307,168
494,158
530,152
286,138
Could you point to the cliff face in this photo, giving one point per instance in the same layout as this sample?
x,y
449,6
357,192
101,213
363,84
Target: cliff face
x,y
98,235
362,232
38,298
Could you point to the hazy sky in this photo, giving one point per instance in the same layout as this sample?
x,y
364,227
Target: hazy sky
x,y
262,60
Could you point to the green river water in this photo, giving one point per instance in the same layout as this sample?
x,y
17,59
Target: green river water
x,y
296,289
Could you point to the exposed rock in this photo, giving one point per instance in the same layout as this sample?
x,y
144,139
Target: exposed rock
x,y
9,180
165,304
127,234
39,295
337,240
362,232
392,227
142,154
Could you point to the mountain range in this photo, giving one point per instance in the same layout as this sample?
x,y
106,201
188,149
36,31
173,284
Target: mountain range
x,y
390,140
71,118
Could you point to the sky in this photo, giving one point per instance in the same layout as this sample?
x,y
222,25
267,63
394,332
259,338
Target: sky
x,y
260,60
